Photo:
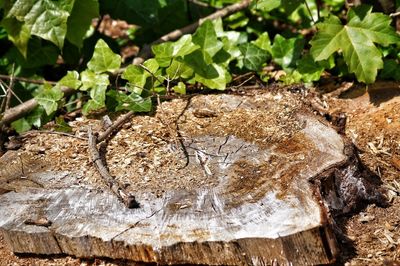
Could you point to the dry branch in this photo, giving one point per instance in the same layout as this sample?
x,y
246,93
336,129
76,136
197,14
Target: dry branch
x,y
129,200
22,109
33,81
116,125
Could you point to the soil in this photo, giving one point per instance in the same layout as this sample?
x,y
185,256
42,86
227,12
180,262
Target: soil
x,y
369,237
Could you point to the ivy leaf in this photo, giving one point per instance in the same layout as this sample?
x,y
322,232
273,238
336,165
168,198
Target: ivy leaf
x,y
179,69
80,20
49,97
43,18
18,33
61,125
391,70
132,102
309,69
263,42
286,51
104,59
90,80
356,41
206,37
267,5
164,52
97,101
135,75
219,82
236,20
71,80
180,88
39,53
288,5
254,57
34,118
200,65
152,65
21,125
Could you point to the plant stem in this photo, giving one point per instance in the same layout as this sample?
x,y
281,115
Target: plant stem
x,y
309,11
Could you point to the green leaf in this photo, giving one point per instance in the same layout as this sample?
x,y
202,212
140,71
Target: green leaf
x,y
18,33
21,125
309,69
206,37
266,5
35,117
104,59
288,5
71,80
254,57
132,102
97,101
80,20
291,78
356,41
218,82
135,75
264,42
61,125
152,65
285,52
164,52
200,65
180,88
43,18
391,70
39,53
179,69
49,97
90,80
236,20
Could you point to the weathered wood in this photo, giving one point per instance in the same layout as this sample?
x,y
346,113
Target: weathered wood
x,y
263,162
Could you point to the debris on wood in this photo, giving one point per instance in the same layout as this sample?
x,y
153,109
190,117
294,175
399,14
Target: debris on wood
x,y
260,183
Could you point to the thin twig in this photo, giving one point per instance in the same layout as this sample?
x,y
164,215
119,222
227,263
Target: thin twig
x,y
128,199
309,11
33,81
33,132
151,73
395,14
116,125
10,90
199,3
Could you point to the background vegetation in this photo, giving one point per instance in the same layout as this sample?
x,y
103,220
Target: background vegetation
x,y
55,53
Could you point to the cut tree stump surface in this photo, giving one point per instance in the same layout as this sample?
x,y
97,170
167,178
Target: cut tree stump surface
x,y
221,179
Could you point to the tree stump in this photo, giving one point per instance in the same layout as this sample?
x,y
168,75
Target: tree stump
x,y
250,182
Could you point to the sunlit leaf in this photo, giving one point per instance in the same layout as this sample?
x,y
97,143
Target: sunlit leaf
x,y
356,41
49,97
71,80
104,59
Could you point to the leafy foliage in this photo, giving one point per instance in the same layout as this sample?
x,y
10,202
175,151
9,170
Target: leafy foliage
x,y
56,40
356,40
48,20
